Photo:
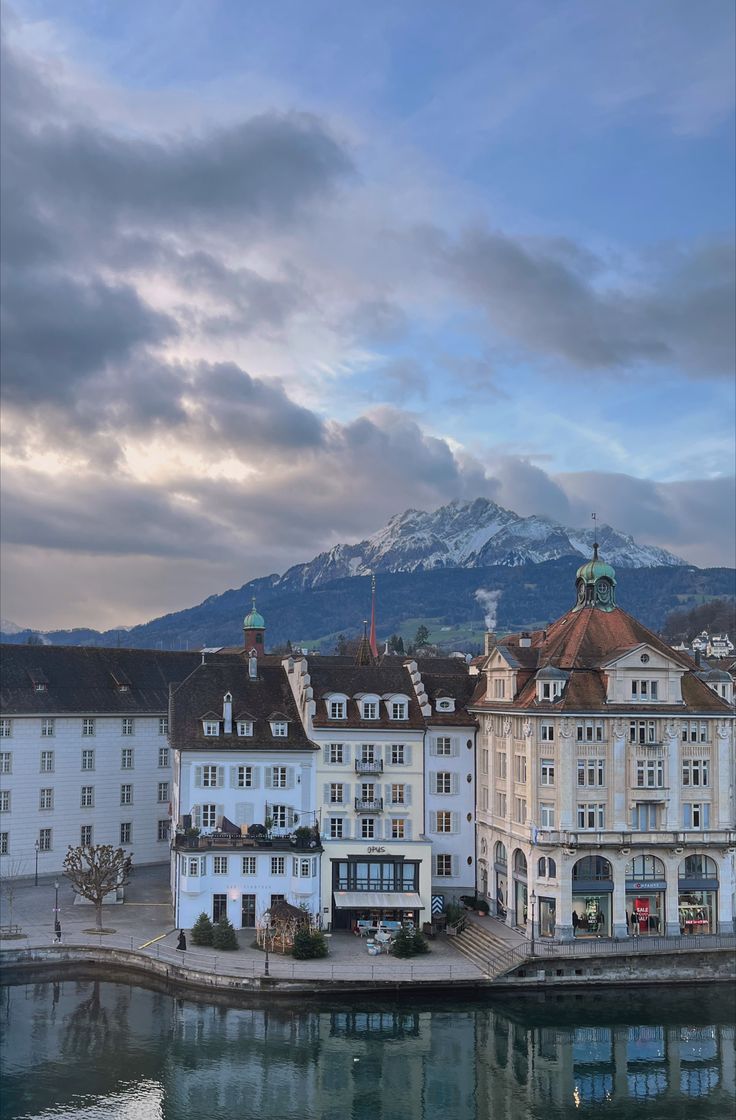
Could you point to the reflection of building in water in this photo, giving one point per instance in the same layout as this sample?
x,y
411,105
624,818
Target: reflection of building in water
x,y
529,1069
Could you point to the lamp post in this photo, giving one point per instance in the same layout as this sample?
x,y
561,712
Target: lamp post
x,y
35,879
533,900
266,936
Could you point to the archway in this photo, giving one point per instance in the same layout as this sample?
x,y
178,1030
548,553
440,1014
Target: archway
x,y
697,895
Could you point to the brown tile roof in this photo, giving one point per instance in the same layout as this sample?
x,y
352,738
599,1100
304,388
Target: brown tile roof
x,y
341,674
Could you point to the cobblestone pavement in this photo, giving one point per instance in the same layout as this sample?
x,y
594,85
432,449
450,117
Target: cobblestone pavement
x,y
144,922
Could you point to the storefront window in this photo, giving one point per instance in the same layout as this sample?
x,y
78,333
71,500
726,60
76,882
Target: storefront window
x,y
591,915
520,888
645,894
697,912
547,915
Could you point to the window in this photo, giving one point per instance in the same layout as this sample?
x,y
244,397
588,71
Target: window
x,y
443,866
484,761
44,840
209,816
126,758
500,804
4,800
520,810
336,793
368,828
642,691
278,777
591,771
210,777
6,762
444,746
88,727
398,793
336,828
47,728
397,754
193,866
696,815
547,771
399,710
40,686
87,798
696,772
6,728
367,791
211,727
444,821
128,727
443,782
219,865
336,753
163,792
546,815
397,829
278,865
306,868
548,733
245,728
163,756
88,759
163,726
279,816
650,773
645,817
47,762
162,832
280,729
592,815
245,777
520,768
546,868
501,765
694,731
85,836
642,731
249,865
126,832
368,752
126,795
337,709
589,731
370,709
499,688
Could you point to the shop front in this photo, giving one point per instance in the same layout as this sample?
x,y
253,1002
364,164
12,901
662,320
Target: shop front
x,y
380,888
547,916
521,894
645,896
592,897
697,896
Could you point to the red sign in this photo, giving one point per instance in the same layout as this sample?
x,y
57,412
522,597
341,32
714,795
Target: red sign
x,y
641,909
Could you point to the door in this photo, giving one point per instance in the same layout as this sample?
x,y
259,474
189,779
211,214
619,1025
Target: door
x,y
248,919
219,907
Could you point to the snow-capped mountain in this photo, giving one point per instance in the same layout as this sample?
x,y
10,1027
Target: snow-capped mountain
x,y
471,534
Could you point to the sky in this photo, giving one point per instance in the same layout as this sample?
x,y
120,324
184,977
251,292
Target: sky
x,y
273,273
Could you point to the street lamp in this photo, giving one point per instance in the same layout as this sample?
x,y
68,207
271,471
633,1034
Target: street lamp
x,y
57,927
266,936
533,900
35,880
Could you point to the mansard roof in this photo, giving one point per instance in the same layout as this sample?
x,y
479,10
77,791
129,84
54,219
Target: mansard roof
x,y
88,680
266,698
443,677
389,677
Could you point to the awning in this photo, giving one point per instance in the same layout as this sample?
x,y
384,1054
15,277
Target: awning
x,y
378,900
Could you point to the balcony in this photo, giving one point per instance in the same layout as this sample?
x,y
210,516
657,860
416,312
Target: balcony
x,y
225,842
583,840
649,794
364,766
368,804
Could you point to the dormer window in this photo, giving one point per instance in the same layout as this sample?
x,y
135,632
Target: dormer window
x,y
337,709
369,709
499,688
446,704
399,709
39,686
211,727
245,727
549,690
279,729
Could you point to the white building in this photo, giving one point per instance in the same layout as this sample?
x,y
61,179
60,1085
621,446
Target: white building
x,y
244,783
606,789
84,754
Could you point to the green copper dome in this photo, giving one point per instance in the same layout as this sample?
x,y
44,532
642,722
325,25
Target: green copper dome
x,y
595,582
253,620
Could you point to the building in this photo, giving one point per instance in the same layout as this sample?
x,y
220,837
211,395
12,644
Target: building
x,y
84,753
244,793
606,778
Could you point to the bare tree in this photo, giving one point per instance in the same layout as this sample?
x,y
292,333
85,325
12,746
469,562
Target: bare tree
x,y
9,884
96,871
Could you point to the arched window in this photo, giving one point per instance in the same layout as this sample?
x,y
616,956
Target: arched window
x,y
542,867
551,868
698,866
546,868
592,867
645,867
500,854
519,862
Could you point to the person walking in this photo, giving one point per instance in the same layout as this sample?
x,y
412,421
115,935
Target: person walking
x,y
57,932
182,942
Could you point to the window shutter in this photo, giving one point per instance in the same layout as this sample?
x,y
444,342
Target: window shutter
x,y
220,776
326,793
455,819
455,746
198,775
346,793
326,752
197,816
290,782
255,777
346,828
387,793
407,794
407,755
407,830
455,866
268,777
433,747
433,783
233,777
290,815
220,813
453,783
347,753
432,821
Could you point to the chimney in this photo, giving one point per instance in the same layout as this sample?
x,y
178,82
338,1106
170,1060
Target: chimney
x,y
227,713
697,657
525,639
489,641
253,665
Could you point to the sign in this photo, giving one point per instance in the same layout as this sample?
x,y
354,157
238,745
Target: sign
x,y
375,850
438,903
646,885
641,909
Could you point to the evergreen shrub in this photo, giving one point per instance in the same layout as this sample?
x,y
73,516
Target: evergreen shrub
x,y
202,930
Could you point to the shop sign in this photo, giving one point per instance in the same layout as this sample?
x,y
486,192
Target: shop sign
x,y
375,850
646,885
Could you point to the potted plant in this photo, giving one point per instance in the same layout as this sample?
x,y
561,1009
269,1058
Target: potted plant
x,y
191,835
302,836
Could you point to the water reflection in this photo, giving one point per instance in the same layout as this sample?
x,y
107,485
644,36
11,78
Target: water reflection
x,y
85,1049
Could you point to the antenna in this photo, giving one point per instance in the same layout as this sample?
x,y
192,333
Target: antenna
x,y
595,535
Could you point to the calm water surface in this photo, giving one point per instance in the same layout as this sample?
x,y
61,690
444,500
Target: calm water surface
x,y
90,1050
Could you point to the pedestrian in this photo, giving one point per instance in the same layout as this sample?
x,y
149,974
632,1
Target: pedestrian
x,y
57,932
182,942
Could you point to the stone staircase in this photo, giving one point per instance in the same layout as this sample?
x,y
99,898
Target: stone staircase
x,y
492,954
